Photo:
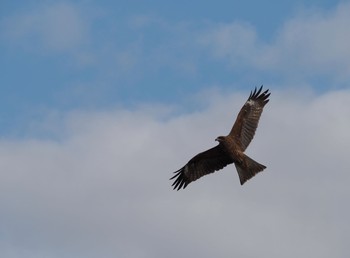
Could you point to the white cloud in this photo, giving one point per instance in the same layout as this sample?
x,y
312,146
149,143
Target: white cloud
x,y
103,190
234,41
58,27
311,43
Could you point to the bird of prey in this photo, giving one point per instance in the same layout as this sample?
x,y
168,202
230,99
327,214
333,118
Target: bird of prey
x,y
230,148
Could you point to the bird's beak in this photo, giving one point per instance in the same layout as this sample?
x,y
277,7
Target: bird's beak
x,y
217,139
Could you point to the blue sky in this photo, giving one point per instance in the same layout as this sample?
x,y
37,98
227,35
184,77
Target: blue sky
x,y
102,100
71,55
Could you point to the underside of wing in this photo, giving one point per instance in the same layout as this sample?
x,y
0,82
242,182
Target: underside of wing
x,y
247,120
202,164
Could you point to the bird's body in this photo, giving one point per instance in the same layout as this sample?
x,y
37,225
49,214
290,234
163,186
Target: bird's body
x,y
230,148
246,167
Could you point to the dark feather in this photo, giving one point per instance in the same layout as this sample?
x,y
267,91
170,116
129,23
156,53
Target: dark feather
x,y
202,164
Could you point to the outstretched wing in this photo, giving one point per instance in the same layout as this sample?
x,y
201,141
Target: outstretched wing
x,y
202,164
248,117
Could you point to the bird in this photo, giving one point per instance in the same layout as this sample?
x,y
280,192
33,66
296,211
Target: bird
x,y
230,148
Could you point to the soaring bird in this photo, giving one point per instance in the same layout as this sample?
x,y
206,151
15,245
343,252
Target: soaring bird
x,y
230,148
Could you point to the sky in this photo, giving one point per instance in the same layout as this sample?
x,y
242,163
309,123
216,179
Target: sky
x,y
102,100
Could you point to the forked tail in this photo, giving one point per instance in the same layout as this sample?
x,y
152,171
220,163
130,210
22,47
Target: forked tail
x,y
248,169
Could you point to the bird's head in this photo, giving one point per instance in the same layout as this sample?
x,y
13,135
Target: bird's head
x,y
220,139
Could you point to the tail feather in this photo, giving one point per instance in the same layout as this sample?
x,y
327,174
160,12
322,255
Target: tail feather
x,y
248,169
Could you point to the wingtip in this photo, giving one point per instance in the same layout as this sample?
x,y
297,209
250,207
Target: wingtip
x,y
258,94
180,181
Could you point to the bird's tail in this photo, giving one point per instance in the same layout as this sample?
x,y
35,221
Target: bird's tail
x,y
248,168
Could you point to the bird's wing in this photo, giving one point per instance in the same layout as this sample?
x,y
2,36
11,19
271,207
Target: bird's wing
x,y
202,164
248,117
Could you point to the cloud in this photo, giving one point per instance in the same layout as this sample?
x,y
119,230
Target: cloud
x,y
58,27
103,188
313,43
235,41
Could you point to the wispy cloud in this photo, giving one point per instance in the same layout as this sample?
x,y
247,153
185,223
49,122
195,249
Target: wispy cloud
x,y
58,27
234,41
311,43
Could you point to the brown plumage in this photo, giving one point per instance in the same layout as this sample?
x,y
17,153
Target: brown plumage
x,y
230,148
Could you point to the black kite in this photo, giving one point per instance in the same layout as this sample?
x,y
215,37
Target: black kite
x,y
230,148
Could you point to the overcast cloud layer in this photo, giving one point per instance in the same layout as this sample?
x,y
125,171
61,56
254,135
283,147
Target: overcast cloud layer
x,y
104,191
89,183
